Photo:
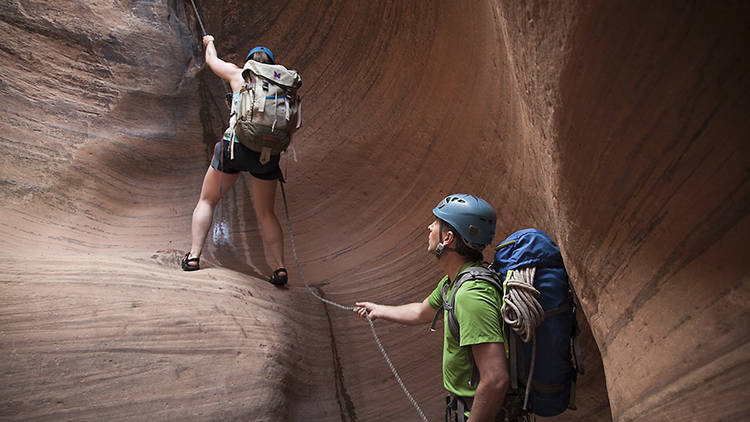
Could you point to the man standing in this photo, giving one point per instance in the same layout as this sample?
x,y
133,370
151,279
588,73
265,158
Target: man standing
x,y
463,226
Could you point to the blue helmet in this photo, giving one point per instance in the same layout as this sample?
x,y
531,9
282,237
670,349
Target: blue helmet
x,y
261,50
472,216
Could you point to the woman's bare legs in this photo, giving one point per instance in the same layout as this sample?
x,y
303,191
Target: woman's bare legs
x,y
203,214
264,195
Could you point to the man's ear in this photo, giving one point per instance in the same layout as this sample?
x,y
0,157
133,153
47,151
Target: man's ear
x,y
448,238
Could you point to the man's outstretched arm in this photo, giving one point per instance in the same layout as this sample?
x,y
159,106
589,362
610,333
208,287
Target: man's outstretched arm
x,y
411,313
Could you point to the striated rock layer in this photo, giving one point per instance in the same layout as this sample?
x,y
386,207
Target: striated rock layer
x,y
619,128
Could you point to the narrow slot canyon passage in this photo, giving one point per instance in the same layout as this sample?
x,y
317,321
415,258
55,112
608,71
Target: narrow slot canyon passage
x,y
621,129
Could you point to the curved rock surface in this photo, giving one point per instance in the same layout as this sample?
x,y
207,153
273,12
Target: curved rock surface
x,y
620,129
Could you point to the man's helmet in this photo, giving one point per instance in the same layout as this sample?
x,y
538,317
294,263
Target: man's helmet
x,y
472,216
261,50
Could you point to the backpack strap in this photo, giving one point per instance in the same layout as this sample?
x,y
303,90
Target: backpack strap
x,y
513,360
577,354
577,358
275,110
240,110
265,155
435,318
471,273
260,100
455,407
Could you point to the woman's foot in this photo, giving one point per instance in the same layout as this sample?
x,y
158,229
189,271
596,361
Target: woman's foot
x,y
190,264
279,277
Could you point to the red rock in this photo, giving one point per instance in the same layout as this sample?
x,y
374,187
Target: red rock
x,y
619,128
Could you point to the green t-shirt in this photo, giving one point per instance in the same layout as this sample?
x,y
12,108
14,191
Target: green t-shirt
x,y
478,313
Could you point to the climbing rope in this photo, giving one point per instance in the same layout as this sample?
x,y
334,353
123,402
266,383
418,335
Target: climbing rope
x,y
198,16
228,98
346,308
523,313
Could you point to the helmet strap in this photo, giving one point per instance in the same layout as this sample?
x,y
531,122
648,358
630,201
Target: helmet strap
x,y
439,249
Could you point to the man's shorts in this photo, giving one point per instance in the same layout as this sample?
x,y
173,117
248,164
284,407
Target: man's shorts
x,y
245,159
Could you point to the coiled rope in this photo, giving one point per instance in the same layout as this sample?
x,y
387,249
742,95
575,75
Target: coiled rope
x,y
523,313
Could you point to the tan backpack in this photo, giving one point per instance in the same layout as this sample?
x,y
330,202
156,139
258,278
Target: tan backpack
x,y
268,111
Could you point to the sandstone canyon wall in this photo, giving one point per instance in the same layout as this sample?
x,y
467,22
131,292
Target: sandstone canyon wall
x,y
620,128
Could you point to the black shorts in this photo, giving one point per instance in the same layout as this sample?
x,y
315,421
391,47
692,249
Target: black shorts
x,y
245,159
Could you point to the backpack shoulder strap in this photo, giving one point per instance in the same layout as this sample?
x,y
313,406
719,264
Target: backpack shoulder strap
x,y
471,273
439,310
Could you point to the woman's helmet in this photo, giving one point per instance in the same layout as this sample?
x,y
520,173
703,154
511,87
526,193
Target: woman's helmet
x,y
472,216
261,50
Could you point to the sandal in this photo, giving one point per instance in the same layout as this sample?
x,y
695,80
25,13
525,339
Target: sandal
x,y
186,261
277,279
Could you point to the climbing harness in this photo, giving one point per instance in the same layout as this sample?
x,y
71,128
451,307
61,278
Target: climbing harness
x,y
307,286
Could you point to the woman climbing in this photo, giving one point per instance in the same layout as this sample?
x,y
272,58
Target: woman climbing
x,y
229,159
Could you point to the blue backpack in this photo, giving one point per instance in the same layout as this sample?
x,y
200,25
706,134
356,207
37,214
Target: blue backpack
x,y
554,371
